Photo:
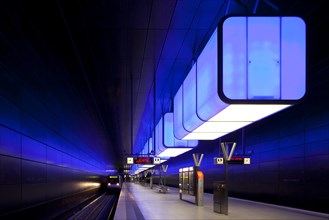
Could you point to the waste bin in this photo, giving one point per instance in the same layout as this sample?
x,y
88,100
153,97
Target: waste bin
x,y
220,197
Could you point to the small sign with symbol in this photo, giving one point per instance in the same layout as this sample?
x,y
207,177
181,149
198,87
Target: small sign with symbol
x,y
246,161
218,160
130,160
157,160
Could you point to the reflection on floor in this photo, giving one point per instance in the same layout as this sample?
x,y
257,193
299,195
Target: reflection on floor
x,y
141,202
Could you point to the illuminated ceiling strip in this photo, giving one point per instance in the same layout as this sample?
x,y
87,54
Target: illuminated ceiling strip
x,y
173,152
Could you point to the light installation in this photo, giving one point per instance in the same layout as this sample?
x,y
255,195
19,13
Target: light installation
x,y
250,68
150,145
167,145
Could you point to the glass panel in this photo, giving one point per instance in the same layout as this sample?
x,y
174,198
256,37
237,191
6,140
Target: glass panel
x,y
234,58
146,147
190,119
159,137
192,143
293,64
150,143
208,103
179,130
168,128
169,139
191,183
263,58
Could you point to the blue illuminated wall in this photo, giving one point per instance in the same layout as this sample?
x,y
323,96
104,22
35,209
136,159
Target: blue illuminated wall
x,y
45,153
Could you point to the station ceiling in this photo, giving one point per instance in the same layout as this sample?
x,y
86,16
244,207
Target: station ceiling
x,y
124,60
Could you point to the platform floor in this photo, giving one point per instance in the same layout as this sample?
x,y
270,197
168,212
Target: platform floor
x,y
141,202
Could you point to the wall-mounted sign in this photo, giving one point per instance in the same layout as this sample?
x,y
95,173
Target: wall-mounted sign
x,y
236,160
157,160
218,160
233,160
144,160
130,160
246,161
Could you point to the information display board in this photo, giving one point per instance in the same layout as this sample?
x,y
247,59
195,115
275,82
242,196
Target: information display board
x,y
142,160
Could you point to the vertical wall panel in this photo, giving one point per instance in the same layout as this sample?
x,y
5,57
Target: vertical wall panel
x,y
33,150
54,156
33,172
10,171
34,193
9,114
291,140
34,128
10,142
317,134
317,148
10,198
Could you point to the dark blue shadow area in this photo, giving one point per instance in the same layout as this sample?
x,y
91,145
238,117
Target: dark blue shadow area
x,y
46,152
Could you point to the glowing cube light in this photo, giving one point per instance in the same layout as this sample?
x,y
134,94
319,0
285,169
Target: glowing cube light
x,y
258,69
167,144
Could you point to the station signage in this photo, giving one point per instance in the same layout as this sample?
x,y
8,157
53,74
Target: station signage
x,y
233,160
142,160
236,160
130,160
218,160
157,160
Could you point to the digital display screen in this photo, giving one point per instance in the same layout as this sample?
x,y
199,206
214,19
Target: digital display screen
x,y
143,160
236,160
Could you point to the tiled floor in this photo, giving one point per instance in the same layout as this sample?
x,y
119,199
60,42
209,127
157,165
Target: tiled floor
x,y
141,202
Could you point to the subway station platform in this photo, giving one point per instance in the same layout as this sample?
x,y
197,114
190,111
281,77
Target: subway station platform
x,y
141,202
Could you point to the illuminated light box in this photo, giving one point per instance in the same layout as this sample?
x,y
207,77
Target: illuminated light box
x,y
184,112
258,69
267,55
144,150
167,144
179,130
150,144
169,140
147,148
